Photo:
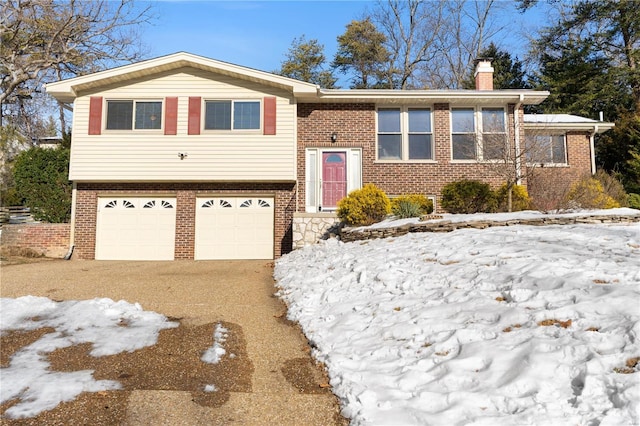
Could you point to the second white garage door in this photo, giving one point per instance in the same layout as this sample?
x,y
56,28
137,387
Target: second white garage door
x,y
234,228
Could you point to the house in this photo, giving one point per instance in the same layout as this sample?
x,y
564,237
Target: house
x,y
185,157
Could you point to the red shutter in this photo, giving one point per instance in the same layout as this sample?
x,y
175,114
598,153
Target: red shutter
x,y
171,116
269,106
195,105
95,115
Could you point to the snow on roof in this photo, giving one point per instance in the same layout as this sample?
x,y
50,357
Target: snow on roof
x,y
556,118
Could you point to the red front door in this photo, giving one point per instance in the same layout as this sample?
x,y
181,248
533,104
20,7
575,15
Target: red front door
x,y
334,178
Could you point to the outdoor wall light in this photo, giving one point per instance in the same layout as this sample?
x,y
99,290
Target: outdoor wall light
x,y
334,137
183,155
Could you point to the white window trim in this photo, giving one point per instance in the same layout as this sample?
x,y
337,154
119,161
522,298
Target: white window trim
x,y
313,175
551,165
105,115
478,131
404,134
231,130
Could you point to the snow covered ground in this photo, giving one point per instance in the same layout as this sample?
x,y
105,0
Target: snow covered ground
x,y
511,325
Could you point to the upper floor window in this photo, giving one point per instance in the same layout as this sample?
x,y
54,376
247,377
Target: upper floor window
x,y
130,114
478,134
545,149
232,115
404,134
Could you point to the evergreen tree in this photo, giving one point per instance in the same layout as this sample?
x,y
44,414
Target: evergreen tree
x,y
589,63
42,181
507,71
361,51
304,61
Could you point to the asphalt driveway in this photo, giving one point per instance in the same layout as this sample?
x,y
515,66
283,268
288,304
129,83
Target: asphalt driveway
x,y
283,385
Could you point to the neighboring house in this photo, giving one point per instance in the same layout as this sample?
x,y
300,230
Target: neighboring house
x,y
48,142
184,157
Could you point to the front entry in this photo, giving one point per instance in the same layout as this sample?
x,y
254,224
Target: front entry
x,y
334,178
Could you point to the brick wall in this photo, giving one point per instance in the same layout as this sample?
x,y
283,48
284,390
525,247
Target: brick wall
x,y
549,185
186,193
355,126
48,239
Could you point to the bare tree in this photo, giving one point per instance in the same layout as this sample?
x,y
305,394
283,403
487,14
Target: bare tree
x,y
470,25
513,158
45,40
433,43
411,28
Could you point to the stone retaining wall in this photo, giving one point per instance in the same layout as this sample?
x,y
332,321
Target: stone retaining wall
x,y
46,239
348,235
309,228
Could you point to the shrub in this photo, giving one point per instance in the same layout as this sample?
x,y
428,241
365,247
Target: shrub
x,y
468,196
364,206
411,205
548,190
634,201
42,179
588,193
519,198
612,187
404,209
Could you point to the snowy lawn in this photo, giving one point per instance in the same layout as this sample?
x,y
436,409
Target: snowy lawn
x,y
510,325
111,327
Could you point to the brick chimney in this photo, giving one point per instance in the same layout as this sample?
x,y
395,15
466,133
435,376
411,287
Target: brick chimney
x,y
484,74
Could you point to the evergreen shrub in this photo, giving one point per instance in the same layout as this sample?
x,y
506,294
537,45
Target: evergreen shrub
x,y
519,198
468,196
588,193
364,206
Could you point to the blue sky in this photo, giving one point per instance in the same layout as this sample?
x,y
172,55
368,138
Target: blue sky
x,y
257,34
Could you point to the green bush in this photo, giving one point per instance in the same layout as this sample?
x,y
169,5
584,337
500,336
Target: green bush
x,y
588,193
634,201
41,178
364,206
468,196
411,205
404,209
519,198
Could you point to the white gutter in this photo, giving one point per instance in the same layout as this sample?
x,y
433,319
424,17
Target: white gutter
x,y
72,231
592,149
516,139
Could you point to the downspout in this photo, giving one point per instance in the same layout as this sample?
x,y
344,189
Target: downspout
x,y
516,138
592,149
72,231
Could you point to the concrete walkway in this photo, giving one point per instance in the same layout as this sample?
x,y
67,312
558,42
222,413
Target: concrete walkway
x,y
239,292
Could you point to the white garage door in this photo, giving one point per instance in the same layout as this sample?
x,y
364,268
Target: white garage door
x,y
130,228
234,228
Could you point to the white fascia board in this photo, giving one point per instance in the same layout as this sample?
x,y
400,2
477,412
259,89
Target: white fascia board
x,y
67,90
591,127
527,97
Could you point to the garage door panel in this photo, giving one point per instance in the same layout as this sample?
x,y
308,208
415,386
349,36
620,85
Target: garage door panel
x,y
234,228
130,228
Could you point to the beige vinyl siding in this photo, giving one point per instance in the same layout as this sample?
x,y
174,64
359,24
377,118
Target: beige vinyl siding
x,y
152,156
